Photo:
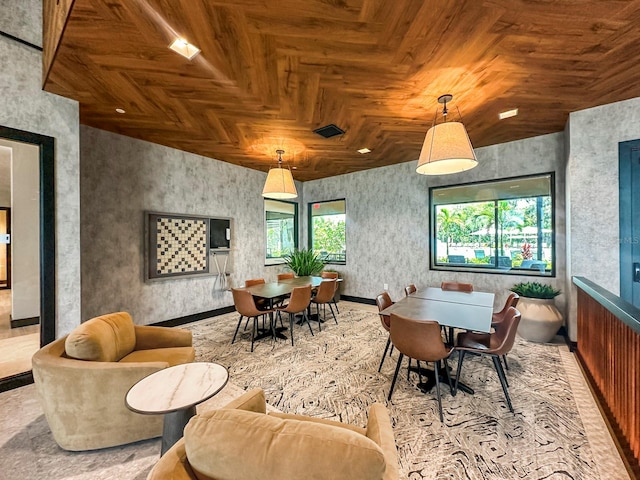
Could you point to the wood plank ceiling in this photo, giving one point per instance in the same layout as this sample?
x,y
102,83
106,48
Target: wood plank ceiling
x,y
272,72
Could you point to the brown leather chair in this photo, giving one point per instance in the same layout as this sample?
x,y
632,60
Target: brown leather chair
x,y
286,276
330,275
246,307
457,287
324,295
498,317
409,289
254,281
298,303
420,340
384,301
495,344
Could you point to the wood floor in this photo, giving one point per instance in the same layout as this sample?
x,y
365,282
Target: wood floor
x,y
17,345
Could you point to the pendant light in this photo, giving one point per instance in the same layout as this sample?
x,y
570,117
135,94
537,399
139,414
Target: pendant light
x,y
279,184
447,148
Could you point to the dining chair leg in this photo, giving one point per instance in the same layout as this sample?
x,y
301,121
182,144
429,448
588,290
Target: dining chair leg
x,y
290,326
437,368
395,375
335,304
318,314
253,333
409,369
305,317
504,359
246,324
384,355
419,372
332,313
237,328
496,362
446,371
458,370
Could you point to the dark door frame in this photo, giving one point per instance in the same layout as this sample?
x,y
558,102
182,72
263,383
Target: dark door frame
x,y
47,235
628,153
8,256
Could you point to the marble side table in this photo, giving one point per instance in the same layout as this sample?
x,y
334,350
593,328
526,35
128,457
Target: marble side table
x,y
175,392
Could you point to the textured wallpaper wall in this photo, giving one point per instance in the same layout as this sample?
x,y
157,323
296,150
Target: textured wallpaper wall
x,y
26,107
121,178
388,218
593,205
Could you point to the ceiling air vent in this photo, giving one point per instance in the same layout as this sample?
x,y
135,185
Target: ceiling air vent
x,y
329,131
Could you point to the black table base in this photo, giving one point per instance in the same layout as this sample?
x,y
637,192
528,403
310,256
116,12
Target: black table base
x,y
426,387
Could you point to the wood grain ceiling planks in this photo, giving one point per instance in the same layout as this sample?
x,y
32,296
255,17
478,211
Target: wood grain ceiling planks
x,y
272,72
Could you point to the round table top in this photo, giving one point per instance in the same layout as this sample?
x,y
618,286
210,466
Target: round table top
x,y
176,388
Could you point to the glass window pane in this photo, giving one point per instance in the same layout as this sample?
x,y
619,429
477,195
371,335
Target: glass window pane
x,y
504,226
281,229
327,230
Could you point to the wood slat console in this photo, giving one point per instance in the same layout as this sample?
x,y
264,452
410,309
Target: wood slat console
x,y
609,351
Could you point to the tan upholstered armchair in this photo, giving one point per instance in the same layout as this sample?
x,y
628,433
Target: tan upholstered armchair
x,y
82,379
242,441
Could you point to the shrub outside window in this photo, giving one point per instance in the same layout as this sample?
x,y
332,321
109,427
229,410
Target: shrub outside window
x,y
281,229
504,226
327,230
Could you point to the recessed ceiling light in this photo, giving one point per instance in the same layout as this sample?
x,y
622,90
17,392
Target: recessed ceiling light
x,y
120,110
364,150
508,113
184,48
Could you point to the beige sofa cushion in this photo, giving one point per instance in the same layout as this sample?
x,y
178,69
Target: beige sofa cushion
x,y
173,356
214,442
103,339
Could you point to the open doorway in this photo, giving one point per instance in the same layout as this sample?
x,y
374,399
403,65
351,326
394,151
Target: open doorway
x,y
27,305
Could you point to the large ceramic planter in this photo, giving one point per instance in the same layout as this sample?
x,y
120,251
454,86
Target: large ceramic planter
x,y
540,319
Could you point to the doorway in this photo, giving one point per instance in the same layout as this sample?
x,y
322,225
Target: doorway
x,y
5,248
43,198
629,185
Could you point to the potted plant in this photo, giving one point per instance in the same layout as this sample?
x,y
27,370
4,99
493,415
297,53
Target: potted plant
x,y
304,262
540,318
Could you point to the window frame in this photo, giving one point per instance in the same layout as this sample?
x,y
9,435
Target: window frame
x,y
433,263
296,239
310,228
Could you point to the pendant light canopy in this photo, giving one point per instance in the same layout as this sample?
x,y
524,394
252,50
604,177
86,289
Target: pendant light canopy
x,y
447,148
279,184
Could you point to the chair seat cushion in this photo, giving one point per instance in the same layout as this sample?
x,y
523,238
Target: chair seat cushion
x,y
478,341
217,447
173,356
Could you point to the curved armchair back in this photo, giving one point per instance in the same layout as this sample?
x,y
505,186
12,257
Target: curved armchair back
x,y
284,276
418,339
299,300
244,303
326,290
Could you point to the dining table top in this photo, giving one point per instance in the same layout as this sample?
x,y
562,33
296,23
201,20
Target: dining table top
x,y
272,290
467,310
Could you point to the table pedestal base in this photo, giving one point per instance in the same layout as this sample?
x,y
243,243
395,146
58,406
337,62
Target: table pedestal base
x,y
173,428
431,380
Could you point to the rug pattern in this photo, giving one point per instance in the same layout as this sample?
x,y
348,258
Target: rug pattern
x,y
333,375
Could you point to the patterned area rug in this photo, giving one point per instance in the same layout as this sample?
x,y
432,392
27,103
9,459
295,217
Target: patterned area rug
x,y
334,375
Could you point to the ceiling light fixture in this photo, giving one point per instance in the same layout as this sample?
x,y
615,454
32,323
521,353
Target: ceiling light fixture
x,y
279,184
184,48
447,148
364,150
120,110
508,114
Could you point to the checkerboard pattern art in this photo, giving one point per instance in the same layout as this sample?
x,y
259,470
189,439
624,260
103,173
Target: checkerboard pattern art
x,y
181,246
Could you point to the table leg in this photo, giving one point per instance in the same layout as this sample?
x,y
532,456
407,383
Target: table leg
x,y
173,428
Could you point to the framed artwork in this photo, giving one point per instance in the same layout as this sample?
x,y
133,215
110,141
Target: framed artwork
x,y
178,245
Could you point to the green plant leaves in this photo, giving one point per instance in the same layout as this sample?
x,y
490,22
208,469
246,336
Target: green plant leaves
x,y
304,262
535,290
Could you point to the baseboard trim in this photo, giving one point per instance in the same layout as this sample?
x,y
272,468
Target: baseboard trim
x,y
24,322
15,381
349,298
176,322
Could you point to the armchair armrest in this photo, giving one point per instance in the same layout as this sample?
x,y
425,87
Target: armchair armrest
x,y
380,431
148,337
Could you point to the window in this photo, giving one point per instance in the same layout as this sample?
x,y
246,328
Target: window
x,y
327,232
281,229
504,226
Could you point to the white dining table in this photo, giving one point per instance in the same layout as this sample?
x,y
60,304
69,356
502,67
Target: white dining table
x,y
466,310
